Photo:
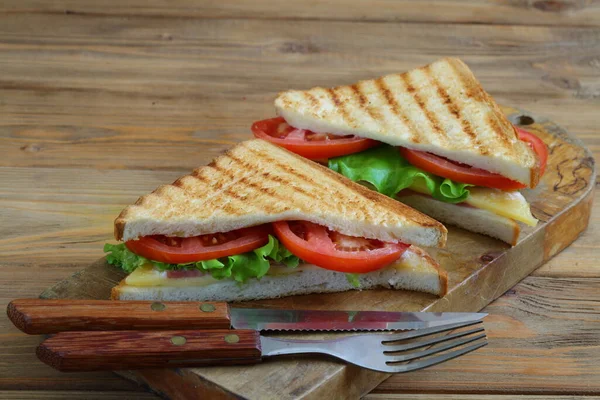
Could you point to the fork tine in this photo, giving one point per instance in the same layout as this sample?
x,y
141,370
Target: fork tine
x,y
435,360
428,331
433,350
425,343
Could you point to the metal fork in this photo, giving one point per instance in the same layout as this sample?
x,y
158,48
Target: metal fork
x,y
381,352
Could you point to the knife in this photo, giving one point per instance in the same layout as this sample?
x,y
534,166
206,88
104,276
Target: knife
x,y
37,316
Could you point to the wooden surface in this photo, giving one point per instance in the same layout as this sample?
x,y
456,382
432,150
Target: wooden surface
x,y
479,270
93,93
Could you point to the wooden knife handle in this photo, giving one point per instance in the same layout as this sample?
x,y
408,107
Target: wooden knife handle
x,y
37,316
119,350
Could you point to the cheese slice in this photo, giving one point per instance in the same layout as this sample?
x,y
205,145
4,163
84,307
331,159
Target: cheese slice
x,y
148,276
506,204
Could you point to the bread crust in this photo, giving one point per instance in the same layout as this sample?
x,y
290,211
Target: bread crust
x,y
442,273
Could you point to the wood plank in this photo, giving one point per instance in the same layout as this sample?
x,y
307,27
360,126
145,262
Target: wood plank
x,y
435,396
480,270
581,258
544,338
170,93
542,12
73,394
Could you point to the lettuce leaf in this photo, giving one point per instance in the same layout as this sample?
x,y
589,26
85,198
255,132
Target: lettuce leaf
x,y
253,264
388,172
353,280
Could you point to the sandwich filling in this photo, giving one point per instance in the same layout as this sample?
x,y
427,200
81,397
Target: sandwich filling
x,y
249,253
392,171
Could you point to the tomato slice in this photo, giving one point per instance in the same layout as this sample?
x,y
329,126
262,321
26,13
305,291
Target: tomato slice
x,y
466,174
334,251
174,250
537,145
312,145
458,172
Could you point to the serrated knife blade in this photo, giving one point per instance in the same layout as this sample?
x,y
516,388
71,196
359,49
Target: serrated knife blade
x,y
313,320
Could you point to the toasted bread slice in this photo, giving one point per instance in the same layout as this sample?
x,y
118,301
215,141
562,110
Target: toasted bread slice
x,y
415,270
257,182
440,108
469,218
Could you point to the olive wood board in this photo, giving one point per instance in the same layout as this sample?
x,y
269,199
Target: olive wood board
x,y
480,269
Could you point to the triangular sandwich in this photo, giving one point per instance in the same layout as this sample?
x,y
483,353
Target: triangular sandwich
x,y
431,136
261,222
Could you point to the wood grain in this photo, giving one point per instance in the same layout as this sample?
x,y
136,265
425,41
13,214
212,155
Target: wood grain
x,y
73,394
35,316
187,89
544,338
539,12
480,270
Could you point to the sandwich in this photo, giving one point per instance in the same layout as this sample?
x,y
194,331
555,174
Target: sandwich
x,y
431,138
261,222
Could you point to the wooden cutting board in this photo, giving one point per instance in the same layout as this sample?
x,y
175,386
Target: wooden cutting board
x,y
480,270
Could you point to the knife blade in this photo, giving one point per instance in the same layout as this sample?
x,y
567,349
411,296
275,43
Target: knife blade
x,y
38,316
318,320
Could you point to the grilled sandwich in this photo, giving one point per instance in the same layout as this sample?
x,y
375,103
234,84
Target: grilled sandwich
x,y
459,159
262,222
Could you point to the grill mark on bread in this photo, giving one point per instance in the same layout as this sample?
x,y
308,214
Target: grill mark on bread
x,y
341,107
395,108
435,124
227,177
291,171
493,122
366,213
314,102
500,130
455,110
364,103
474,91
267,176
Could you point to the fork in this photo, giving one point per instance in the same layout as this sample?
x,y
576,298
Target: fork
x,y
115,350
380,352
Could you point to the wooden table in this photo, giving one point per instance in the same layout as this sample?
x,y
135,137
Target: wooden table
x,y
102,101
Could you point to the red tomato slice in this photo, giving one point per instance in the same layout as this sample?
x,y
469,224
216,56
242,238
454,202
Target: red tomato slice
x,y
458,172
312,145
467,174
175,250
537,145
334,251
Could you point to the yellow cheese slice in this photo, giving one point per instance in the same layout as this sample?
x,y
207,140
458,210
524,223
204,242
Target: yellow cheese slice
x,y
506,204
148,276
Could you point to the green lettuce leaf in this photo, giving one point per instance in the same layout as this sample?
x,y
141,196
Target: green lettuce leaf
x,y
388,172
253,264
353,280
